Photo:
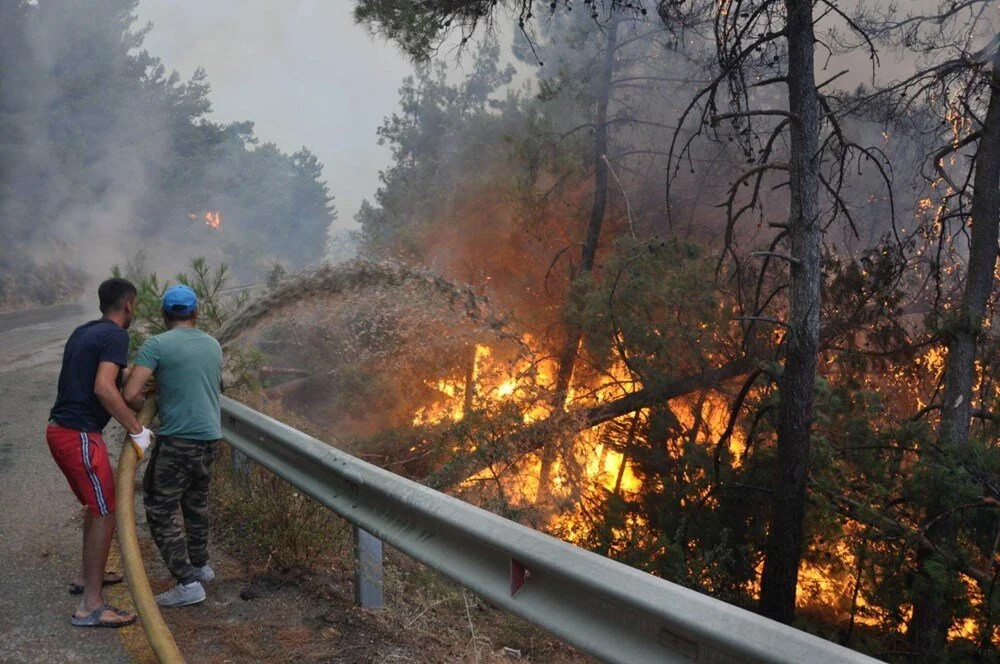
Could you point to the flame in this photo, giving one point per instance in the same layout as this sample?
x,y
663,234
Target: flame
x,y
525,384
213,219
602,459
826,585
959,123
452,409
490,382
968,627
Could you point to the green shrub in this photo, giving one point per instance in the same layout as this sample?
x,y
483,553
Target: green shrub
x,y
272,524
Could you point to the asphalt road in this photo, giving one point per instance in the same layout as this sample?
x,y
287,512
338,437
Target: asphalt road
x,y
40,518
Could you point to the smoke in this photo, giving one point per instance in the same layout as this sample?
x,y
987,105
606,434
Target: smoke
x,y
107,153
89,147
304,71
657,72
62,208
228,39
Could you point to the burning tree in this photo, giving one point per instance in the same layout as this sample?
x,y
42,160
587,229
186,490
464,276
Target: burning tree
x,y
762,44
803,339
961,84
599,89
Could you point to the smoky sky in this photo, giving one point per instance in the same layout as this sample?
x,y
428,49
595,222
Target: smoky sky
x,y
300,69
307,75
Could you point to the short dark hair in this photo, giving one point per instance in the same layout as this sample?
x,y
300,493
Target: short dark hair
x,y
113,293
174,317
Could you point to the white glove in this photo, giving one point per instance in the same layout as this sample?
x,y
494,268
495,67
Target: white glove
x,y
141,441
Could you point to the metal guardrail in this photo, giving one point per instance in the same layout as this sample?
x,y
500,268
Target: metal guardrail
x,y
609,610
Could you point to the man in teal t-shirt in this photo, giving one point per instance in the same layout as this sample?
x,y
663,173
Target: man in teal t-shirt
x,y
187,365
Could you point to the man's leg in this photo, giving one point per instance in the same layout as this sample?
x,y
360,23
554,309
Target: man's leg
x,y
99,529
167,478
194,506
98,532
108,579
88,518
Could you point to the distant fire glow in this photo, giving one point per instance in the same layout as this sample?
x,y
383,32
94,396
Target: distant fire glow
x,y
213,219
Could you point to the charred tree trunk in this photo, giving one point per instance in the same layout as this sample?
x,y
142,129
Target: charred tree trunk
x,y
469,401
795,410
567,358
933,602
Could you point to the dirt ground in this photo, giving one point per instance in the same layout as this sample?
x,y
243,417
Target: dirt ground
x,y
258,616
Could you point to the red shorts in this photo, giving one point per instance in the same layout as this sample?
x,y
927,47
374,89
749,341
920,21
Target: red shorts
x,y
83,458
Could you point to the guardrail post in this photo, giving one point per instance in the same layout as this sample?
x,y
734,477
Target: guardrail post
x,y
242,464
367,570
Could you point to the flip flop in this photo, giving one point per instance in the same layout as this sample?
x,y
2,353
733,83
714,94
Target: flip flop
x,y
94,618
77,589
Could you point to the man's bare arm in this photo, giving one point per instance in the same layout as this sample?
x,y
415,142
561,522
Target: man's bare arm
x,y
135,386
107,393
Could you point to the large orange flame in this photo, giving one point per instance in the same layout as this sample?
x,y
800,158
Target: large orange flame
x,y
828,586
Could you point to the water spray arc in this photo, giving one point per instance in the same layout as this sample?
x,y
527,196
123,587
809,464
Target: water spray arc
x,y
351,275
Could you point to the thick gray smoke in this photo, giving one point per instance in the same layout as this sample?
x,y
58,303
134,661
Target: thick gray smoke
x,y
105,152
124,141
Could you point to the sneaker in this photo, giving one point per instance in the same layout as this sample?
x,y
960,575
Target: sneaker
x,y
182,594
205,573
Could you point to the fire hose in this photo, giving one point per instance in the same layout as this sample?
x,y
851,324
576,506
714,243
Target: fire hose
x,y
157,632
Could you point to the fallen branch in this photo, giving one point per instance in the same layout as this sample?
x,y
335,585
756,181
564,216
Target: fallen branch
x,y
283,371
534,436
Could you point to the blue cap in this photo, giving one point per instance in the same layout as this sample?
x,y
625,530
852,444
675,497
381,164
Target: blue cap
x,y
180,300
